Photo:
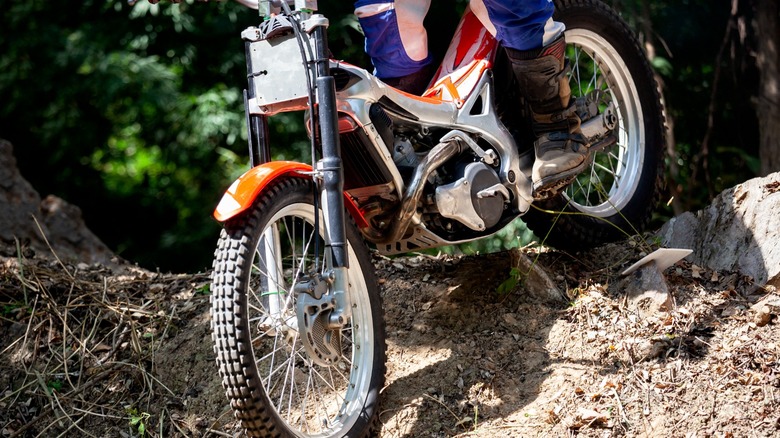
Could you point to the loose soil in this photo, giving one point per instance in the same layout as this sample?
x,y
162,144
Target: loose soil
x,y
91,351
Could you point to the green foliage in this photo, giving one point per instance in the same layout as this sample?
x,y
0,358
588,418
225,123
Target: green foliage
x,y
514,235
204,290
138,420
138,108
508,285
14,308
662,66
54,385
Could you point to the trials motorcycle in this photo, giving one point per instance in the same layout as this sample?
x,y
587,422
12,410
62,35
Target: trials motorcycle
x,y
297,320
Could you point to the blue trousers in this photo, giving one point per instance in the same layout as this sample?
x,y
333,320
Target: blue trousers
x,y
397,42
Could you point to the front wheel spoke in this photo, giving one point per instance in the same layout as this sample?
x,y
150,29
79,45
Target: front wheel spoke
x,y
299,269
263,313
344,378
310,389
304,424
289,375
340,374
265,334
274,321
276,284
293,244
293,386
272,372
269,354
330,385
319,396
347,361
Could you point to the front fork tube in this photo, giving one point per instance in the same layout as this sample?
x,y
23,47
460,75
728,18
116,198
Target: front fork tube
x,y
331,169
256,124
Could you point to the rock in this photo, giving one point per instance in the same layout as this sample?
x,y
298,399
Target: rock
x,y
535,281
25,218
739,231
18,199
646,291
71,235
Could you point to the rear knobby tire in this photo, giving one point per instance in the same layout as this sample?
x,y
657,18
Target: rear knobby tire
x,y
616,196
274,388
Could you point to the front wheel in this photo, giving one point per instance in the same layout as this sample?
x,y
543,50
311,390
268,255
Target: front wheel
x,y
616,196
276,385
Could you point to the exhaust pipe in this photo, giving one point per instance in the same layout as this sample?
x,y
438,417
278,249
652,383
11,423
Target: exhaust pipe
x,y
439,155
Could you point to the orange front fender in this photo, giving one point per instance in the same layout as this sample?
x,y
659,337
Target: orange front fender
x,y
242,193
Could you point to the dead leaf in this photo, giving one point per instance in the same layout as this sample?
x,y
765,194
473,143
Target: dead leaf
x,y
762,316
588,417
101,347
552,416
609,383
750,378
696,271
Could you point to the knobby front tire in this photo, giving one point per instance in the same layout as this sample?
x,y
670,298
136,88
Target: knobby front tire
x,y
616,196
274,388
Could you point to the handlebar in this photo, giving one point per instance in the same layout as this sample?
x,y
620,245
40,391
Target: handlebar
x,y
255,4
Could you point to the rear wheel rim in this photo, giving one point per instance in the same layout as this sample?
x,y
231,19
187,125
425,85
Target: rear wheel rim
x,y
611,180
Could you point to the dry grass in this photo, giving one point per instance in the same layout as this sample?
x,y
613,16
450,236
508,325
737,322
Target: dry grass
x,y
79,347
89,351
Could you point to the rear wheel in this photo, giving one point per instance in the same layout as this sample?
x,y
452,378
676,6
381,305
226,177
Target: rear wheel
x,y
284,374
618,193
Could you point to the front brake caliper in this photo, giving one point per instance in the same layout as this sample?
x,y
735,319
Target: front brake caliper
x,y
320,336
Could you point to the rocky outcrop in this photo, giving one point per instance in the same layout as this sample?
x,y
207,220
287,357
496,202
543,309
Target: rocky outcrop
x,y
739,231
29,223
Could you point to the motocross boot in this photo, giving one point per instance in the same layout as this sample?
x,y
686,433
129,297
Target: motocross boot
x,y
561,149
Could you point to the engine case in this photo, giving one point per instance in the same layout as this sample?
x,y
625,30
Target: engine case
x,y
473,199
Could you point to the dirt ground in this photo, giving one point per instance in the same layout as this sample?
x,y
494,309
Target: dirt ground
x,y
87,351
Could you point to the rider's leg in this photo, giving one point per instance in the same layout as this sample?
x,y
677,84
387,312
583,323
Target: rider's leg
x,y
396,41
536,46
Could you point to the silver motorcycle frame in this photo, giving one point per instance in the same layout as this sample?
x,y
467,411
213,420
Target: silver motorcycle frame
x,y
468,117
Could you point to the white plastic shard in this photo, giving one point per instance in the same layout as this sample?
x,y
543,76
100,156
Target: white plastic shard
x,y
663,258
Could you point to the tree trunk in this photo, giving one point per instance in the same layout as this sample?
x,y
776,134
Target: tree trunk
x,y
675,190
767,26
